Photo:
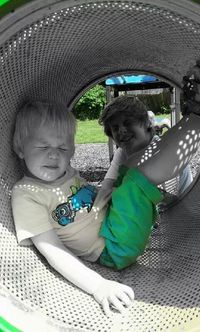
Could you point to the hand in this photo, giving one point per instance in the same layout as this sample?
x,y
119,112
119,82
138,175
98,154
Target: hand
x,y
113,294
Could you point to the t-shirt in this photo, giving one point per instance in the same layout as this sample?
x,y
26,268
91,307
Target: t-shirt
x,y
65,206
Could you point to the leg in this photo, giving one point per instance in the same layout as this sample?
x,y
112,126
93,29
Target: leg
x,y
129,220
173,152
179,144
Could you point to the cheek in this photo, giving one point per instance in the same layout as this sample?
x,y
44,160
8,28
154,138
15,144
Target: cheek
x,y
34,157
142,139
114,133
66,157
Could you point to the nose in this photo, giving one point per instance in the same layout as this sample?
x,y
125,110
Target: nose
x,y
53,153
122,130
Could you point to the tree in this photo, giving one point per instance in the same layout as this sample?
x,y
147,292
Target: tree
x,y
91,103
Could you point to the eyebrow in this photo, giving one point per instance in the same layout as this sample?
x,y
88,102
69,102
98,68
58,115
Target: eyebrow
x,y
41,141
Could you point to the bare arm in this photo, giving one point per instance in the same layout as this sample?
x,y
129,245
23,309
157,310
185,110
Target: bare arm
x,y
105,292
104,193
107,185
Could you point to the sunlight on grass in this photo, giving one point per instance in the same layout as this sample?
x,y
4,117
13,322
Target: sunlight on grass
x,y
89,131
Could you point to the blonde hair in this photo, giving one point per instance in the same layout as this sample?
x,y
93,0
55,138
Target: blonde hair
x,y
35,114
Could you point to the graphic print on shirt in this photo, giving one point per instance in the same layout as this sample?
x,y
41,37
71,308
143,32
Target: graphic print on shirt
x,y
82,197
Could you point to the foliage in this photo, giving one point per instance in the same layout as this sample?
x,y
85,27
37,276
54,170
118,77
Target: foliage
x,y
165,109
91,104
197,1
158,103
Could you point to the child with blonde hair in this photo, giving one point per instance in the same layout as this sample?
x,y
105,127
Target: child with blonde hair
x,y
55,210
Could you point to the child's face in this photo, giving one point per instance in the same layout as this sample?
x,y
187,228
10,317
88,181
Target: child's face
x,y
47,153
127,134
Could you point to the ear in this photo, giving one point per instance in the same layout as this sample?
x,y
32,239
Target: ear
x,y
21,155
149,125
19,152
151,130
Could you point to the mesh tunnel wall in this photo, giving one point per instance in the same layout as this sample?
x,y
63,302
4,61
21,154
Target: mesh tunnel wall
x,y
55,50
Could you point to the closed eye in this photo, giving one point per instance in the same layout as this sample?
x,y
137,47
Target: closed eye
x,y
63,149
42,147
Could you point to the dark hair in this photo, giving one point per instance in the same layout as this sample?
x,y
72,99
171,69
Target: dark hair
x,y
129,105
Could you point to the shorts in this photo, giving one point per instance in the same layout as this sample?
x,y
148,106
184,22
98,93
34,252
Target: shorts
x,y
130,217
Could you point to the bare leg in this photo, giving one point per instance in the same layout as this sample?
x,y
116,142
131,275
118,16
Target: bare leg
x,y
173,152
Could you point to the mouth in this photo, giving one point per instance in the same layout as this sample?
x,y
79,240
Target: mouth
x,y
126,139
51,167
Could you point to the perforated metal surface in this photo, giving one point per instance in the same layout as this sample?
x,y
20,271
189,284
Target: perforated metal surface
x,y
55,53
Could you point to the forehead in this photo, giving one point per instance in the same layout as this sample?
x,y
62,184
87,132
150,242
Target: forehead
x,y
121,117
47,133
118,116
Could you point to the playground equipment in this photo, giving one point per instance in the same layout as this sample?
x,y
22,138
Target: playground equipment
x,y
56,50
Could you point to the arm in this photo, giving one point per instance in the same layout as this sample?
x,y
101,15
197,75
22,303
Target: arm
x,y
111,176
104,193
105,292
107,184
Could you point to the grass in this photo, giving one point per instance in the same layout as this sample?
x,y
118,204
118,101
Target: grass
x,y
164,115
89,131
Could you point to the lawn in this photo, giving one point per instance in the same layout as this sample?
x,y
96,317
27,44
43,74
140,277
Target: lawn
x,y
89,131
